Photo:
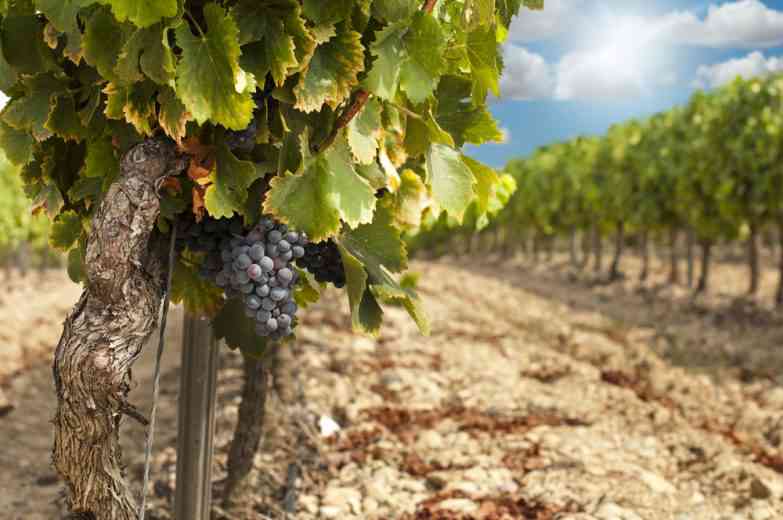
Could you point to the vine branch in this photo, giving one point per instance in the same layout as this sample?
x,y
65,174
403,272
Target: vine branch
x,y
360,99
429,5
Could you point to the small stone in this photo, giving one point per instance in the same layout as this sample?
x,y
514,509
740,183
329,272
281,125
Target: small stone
x,y
370,505
762,512
330,512
657,483
759,490
309,503
459,505
611,511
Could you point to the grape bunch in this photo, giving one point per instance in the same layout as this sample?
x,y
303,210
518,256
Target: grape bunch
x,y
323,260
256,266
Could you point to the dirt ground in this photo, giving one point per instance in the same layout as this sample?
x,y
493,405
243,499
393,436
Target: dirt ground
x,y
542,394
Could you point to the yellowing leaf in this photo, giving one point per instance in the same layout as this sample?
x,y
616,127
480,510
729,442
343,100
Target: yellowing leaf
x,y
332,72
450,179
142,13
210,82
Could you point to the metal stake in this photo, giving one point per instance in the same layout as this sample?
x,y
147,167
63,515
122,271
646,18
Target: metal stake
x,y
196,420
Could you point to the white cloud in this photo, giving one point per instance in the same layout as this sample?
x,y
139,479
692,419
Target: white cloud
x,y
587,75
527,75
555,19
742,23
754,64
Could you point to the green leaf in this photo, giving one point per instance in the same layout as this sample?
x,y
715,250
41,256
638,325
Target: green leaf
x,y
332,72
377,245
76,269
8,76
393,293
307,290
394,10
146,52
135,103
62,13
199,296
450,179
374,175
425,43
363,132
101,162
486,181
103,42
17,144
326,189
65,231
230,182
24,45
32,111
63,120
457,115
173,116
383,79
410,199
366,314
482,49
279,40
142,13
237,330
327,12
379,248
210,82
87,189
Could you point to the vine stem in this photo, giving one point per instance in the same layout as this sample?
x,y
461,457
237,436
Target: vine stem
x,y
359,100
156,377
429,5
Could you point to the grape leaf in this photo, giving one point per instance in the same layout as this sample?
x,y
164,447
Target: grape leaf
x,y
8,76
374,175
366,314
450,179
199,296
394,10
101,162
62,13
76,271
142,13
307,290
173,116
377,244
379,248
209,81
349,193
146,52
482,49
424,43
279,40
323,13
230,182
24,35
237,330
32,111
459,117
103,42
65,230
49,198
63,120
363,132
134,102
332,72
486,181
383,79
17,144
324,190
410,200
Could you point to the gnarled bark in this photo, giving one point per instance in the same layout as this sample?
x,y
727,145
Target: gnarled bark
x,y
105,332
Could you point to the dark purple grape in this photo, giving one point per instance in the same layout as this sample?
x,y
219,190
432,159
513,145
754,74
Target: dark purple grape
x,y
271,324
274,236
285,275
278,294
267,264
243,261
268,304
257,252
253,302
262,290
283,246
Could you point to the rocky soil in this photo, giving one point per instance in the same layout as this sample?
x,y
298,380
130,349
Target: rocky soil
x,y
541,394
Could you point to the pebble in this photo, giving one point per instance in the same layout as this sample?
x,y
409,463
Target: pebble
x,y
611,511
459,505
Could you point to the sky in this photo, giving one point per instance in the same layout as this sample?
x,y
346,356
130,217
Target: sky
x,y
579,66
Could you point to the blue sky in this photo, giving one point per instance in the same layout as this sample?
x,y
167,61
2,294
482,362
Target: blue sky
x,y
581,65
